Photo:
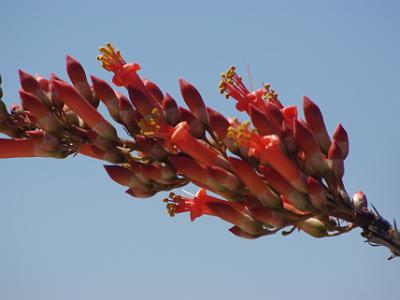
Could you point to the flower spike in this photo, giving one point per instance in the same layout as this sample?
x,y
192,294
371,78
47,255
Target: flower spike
x,y
272,173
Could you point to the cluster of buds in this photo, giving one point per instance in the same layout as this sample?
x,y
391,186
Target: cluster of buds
x,y
273,173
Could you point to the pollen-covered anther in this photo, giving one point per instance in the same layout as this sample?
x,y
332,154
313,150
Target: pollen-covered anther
x,y
150,125
172,203
110,58
232,86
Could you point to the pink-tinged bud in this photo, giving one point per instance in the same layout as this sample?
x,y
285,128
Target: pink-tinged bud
x,y
225,178
288,140
43,83
275,157
84,110
171,110
253,181
113,156
313,227
335,157
30,85
306,142
100,142
44,119
195,148
77,75
137,170
219,123
342,139
262,122
274,114
196,126
194,101
278,183
360,201
141,193
196,172
239,232
57,103
316,193
127,114
140,101
159,173
269,216
289,114
154,90
315,121
124,177
227,213
107,95
152,148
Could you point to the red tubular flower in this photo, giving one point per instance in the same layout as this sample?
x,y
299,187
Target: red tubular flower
x,y
227,212
107,95
336,158
253,181
85,110
316,193
12,148
219,124
151,148
225,178
316,123
196,127
78,78
194,101
38,144
262,122
278,183
342,139
171,111
272,154
197,206
158,173
141,102
124,74
127,114
154,90
306,142
44,119
43,83
196,149
269,216
196,172
289,114
125,177
30,85
274,114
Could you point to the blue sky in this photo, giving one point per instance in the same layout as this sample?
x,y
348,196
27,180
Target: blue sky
x,y
68,232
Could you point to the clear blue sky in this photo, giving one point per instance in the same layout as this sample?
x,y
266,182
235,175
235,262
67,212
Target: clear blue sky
x,y
68,232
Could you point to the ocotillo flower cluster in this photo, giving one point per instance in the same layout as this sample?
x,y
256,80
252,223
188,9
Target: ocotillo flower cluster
x,y
274,172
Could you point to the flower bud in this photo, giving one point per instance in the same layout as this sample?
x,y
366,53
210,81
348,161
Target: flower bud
x,y
360,201
313,227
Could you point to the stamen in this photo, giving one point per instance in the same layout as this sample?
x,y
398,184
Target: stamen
x,y
111,59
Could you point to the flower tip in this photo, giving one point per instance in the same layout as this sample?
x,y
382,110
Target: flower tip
x,y
183,83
